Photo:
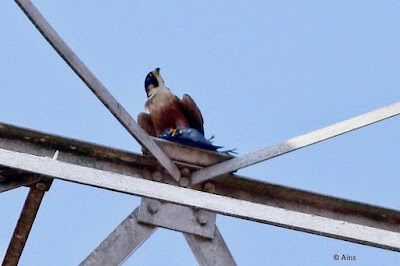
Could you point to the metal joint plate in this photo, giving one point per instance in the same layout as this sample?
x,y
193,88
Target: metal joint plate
x,y
176,217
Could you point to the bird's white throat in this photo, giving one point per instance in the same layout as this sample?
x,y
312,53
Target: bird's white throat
x,y
160,90
157,90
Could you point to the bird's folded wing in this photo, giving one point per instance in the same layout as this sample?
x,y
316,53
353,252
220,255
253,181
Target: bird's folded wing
x,y
145,122
192,113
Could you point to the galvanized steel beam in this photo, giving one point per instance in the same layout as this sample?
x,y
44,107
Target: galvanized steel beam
x,y
305,222
121,243
96,86
210,251
296,143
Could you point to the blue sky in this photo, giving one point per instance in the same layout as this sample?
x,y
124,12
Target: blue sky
x,y
261,72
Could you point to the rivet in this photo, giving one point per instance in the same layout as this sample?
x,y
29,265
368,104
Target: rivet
x,y
153,206
209,187
202,218
184,181
41,186
185,172
157,176
146,173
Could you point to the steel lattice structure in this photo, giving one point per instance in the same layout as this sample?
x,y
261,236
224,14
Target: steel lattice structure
x,y
183,188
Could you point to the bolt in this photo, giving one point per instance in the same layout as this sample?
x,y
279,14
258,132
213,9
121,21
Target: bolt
x,y
157,176
146,174
209,187
41,186
152,206
165,171
184,181
202,218
186,172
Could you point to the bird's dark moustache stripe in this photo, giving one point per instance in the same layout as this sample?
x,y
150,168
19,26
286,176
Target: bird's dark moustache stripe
x,y
150,79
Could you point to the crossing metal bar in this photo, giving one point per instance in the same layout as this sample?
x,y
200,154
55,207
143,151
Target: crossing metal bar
x,y
96,86
134,185
114,160
130,234
121,243
296,143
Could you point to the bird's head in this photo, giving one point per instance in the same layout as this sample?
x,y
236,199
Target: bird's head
x,y
153,81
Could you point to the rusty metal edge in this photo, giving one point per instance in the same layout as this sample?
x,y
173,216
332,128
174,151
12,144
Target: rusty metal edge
x,y
25,221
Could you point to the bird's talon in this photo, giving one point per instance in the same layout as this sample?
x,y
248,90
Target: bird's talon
x,y
173,132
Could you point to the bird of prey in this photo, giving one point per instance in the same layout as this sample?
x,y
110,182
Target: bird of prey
x,y
167,111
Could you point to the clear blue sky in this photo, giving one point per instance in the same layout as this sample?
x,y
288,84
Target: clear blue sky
x,y
261,72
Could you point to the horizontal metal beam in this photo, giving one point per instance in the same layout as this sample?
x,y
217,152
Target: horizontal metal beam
x,y
45,144
96,86
220,204
123,162
121,243
296,143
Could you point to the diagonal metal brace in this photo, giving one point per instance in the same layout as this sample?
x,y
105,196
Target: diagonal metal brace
x,y
96,86
121,243
210,251
130,234
296,143
25,222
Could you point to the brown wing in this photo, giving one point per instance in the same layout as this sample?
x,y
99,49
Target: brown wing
x,y
145,122
192,113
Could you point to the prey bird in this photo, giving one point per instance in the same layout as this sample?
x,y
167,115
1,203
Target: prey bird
x,y
167,111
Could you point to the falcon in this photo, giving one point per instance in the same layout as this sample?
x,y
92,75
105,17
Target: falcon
x,y
167,111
